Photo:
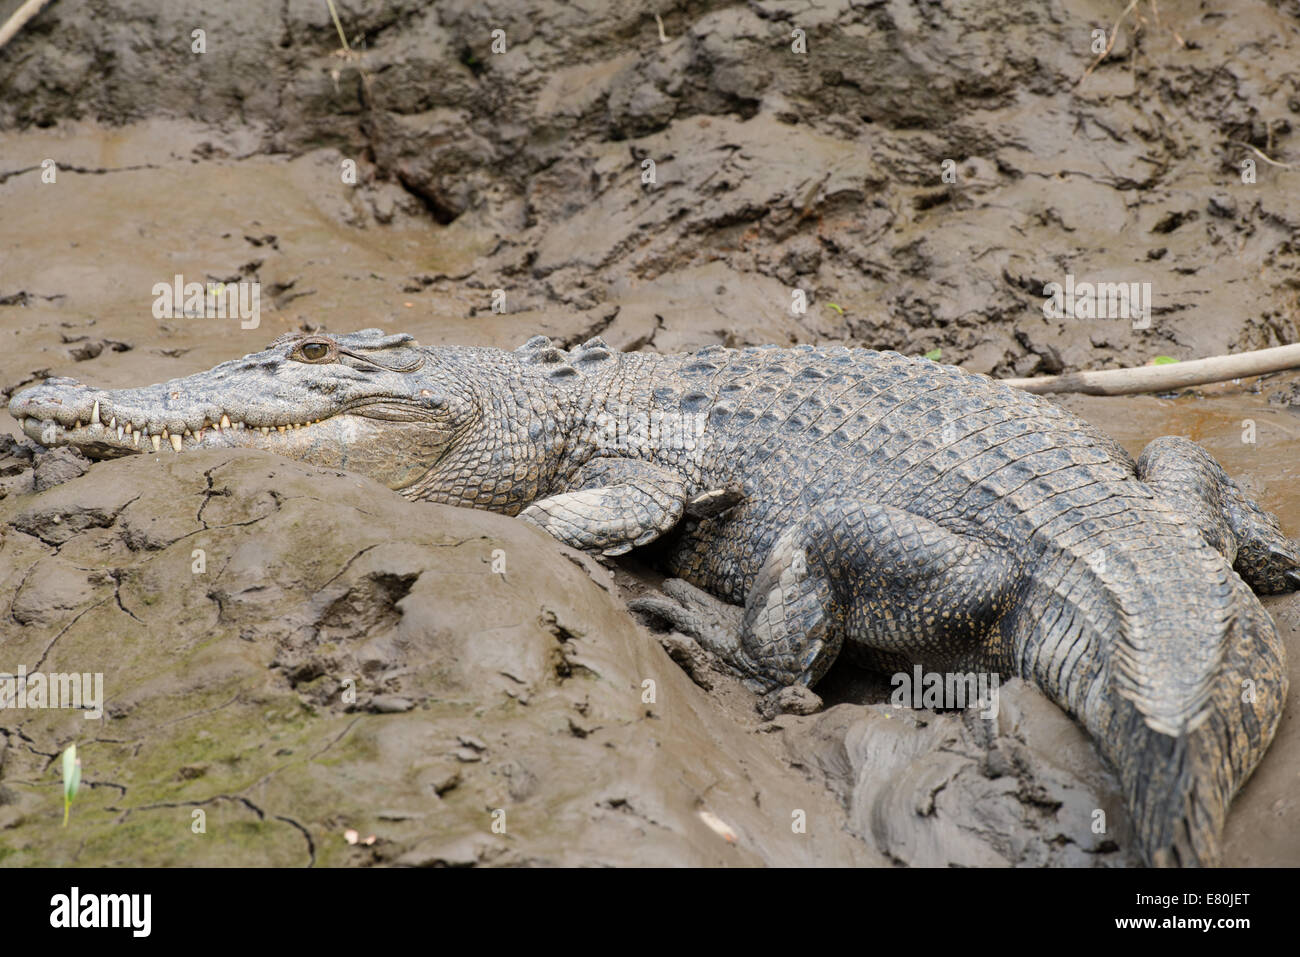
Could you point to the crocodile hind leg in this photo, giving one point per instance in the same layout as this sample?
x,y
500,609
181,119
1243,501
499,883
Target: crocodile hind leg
x,y
1187,477
879,576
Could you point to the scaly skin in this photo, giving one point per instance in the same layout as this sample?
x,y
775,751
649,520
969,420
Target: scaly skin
x,y
906,510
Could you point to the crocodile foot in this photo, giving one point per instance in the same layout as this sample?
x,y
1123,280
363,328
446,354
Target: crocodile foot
x,y
695,613
1289,560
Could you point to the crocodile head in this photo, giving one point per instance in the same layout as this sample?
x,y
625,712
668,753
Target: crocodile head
x,y
367,402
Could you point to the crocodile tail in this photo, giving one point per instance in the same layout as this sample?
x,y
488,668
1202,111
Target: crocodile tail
x,y
1182,698
1179,791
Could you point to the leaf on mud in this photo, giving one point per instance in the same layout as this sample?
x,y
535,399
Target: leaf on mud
x,y
1162,361
933,354
71,773
71,779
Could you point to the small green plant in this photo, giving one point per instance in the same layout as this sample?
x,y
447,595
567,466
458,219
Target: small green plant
x,y
837,307
71,779
933,354
1163,361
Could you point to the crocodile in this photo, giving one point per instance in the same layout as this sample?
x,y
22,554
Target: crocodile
x,y
810,501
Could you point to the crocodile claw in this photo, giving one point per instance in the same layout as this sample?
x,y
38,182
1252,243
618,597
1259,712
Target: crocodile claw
x,y
714,502
695,613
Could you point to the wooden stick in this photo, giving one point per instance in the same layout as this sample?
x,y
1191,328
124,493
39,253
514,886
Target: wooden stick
x,y
1109,46
20,17
1260,154
1175,375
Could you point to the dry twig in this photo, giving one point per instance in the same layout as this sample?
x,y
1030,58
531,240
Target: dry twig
x,y
19,18
1176,375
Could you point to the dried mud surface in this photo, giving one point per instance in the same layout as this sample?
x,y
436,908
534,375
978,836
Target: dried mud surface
x,y
479,692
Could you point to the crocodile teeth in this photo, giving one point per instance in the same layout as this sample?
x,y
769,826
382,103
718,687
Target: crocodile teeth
x,y
176,442
225,422
135,437
78,425
113,424
279,428
120,430
165,434
128,428
156,440
265,430
94,414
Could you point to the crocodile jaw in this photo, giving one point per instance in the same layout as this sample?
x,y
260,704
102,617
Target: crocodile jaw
x,y
65,412
105,438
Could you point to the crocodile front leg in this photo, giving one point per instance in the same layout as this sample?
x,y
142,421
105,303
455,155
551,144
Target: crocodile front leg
x,y
896,584
617,504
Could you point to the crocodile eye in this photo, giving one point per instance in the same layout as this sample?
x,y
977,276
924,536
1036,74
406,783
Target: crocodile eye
x,y
314,351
